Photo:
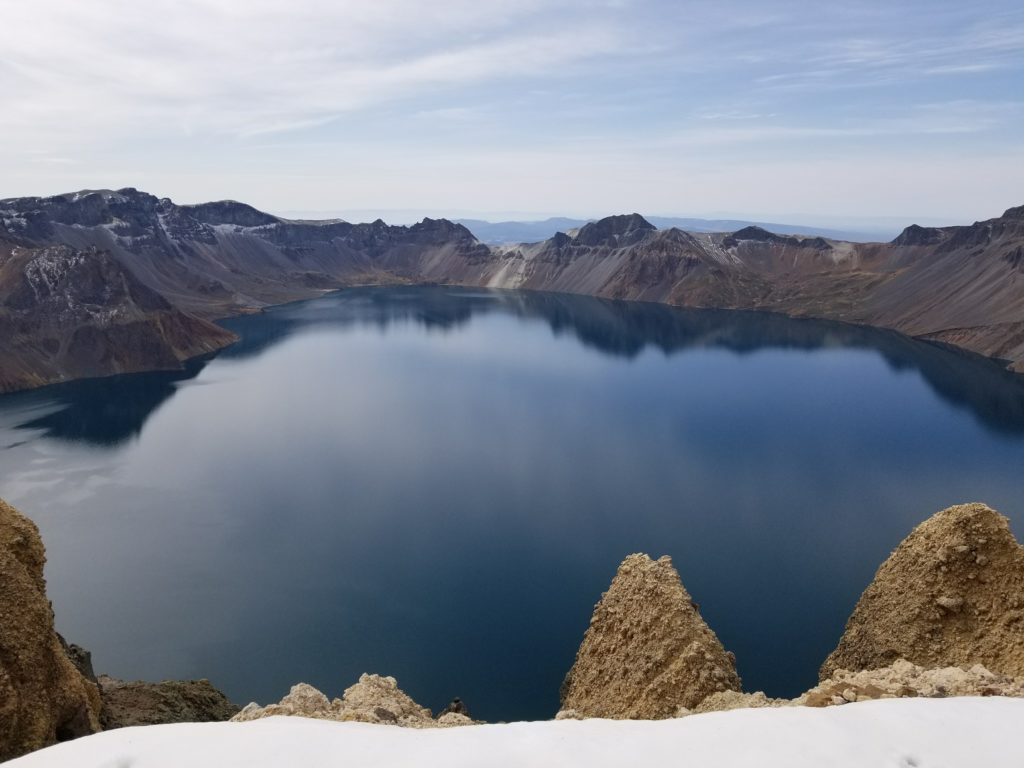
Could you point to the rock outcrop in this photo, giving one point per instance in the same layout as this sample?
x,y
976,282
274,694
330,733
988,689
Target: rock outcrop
x,y
43,697
951,594
903,679
138,703
374,699
900,680
647,651
725,701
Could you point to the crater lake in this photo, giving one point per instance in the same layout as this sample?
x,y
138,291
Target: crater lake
x,y
438,484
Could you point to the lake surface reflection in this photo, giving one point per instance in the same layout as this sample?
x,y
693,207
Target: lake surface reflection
x,y
438,484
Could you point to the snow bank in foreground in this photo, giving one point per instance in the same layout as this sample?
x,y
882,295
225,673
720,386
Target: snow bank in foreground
x,y
900,733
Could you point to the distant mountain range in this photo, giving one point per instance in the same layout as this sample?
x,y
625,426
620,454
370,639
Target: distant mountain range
x,y
505,232
101,282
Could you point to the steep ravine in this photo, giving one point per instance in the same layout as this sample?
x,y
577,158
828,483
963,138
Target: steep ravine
x,y
101,282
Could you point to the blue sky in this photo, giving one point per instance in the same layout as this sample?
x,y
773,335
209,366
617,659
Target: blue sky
x,y
827,113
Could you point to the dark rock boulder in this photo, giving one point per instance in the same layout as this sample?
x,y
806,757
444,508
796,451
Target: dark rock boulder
x,y
127,704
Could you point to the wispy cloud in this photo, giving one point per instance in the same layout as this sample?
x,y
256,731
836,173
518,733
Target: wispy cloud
x,y
339,98
258,67
894,56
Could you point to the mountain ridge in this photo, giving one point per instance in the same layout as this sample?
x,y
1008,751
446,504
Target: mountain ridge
x,y
182,266
534,231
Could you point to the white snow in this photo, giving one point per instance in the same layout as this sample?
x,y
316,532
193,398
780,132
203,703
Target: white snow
x,y
895,733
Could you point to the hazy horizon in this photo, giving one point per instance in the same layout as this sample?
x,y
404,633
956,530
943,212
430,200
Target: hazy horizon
x,y
769,111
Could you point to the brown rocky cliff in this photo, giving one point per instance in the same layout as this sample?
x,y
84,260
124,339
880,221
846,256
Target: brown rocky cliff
x,y
67,313
647,651
951,594
43,697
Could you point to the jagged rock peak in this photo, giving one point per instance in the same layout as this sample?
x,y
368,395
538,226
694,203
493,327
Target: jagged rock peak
x,y
647,651
1014,213
443,226
621,229
757,234
951,594
43,697
918,235
754,232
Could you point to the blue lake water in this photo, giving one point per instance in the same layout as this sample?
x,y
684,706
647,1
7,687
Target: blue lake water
x,y
438,484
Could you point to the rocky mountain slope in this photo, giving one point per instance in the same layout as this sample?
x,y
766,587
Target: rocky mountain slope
x,y
959,285
67,313
102,282
99,282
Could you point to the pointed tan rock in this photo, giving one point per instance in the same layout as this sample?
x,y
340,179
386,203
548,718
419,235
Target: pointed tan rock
x,y
951,594
647,651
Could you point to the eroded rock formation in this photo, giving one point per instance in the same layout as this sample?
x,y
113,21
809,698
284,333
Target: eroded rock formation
x,y
647,651
374,699
951,594
43,697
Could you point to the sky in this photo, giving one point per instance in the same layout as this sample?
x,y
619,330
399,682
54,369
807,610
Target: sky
x,y
824,113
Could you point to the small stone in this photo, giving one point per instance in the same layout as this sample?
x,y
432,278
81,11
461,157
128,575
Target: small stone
x,y
950,603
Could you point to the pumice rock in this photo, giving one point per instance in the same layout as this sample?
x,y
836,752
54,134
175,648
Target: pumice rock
x,y
374,699
43,697
905,680
951,594
647,651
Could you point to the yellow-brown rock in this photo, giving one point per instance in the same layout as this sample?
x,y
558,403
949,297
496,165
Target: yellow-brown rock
x,y
374,699
43,698
950,595
647,651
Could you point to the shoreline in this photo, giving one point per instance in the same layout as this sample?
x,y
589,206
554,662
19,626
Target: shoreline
x,y
1007,365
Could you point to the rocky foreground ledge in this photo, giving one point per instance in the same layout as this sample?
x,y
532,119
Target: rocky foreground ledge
x,y
943,618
